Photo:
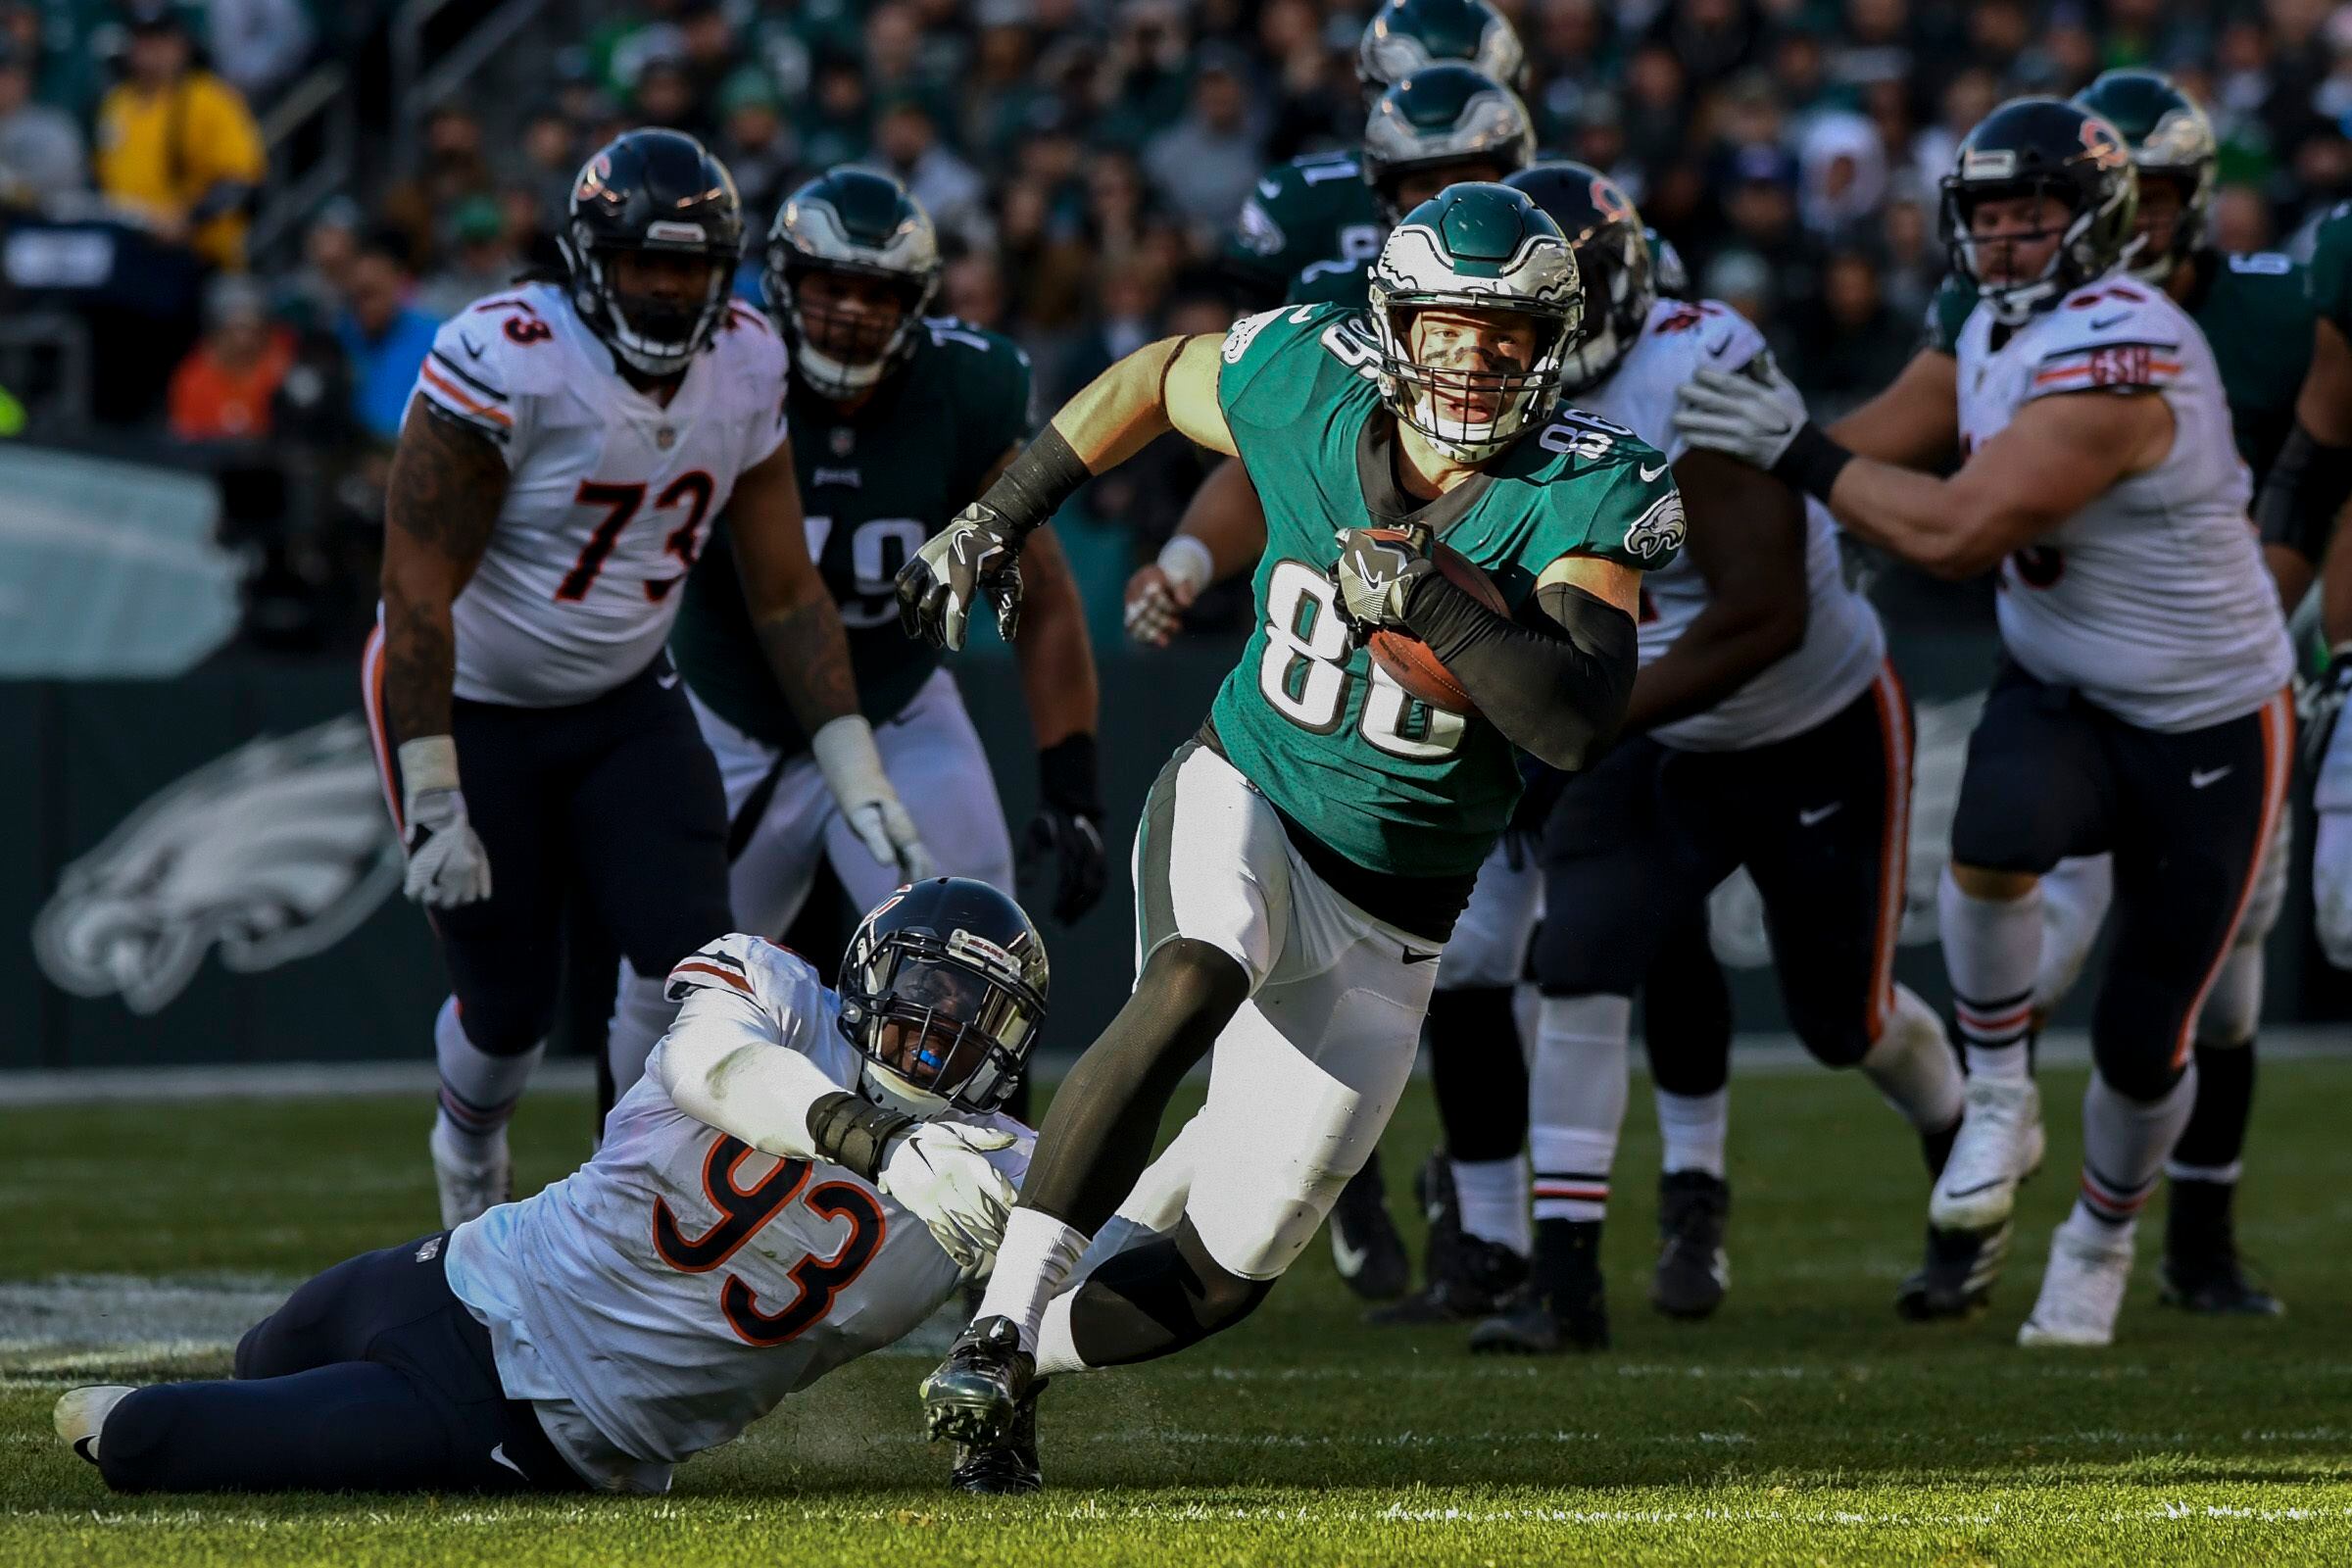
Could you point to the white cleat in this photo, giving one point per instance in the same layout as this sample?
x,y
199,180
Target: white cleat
x,y
82,1414
2082,1291
1999,1146
468,1189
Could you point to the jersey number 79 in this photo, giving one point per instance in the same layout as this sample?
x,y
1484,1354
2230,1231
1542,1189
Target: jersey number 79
x,y
742,1210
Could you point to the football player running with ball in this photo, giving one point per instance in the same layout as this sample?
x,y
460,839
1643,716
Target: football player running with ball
x,y
800,1177
1300,862
2141,709
901,417
565,453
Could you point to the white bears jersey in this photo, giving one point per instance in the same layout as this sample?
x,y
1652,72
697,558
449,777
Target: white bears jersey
x,y
675,1289
612,495
1844,643
2152,601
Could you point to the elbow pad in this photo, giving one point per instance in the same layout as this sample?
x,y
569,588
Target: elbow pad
x,y
1556,689
854,1132
2307,486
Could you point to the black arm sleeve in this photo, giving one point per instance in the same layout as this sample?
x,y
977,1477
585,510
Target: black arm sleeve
x,y
1554,683
1035,484
2306,487
853,1132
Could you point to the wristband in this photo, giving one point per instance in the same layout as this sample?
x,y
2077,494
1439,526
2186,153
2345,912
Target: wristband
x,y
1035,484
854,1132
427,762
1186,561
1812,461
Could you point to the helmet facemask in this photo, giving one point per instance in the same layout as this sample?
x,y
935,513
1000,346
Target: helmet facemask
x,y
2072,260
940,1022
841,352
1465,401
652,335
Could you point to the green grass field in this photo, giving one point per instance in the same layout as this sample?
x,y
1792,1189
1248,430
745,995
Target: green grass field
x,y
1804,1425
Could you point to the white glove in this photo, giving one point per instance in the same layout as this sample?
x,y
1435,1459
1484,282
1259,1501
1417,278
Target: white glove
x,y
447,864
938,1171
845,754
1158,595
1752,415
2332,886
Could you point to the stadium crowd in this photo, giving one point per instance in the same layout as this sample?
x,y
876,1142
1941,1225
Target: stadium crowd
x,y
1083,160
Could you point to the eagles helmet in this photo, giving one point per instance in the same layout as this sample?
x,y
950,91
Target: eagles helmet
x,y
1474,247
856,223
653,191
2043,147
943,991
1403,35
2170,138
1612,256
1438,116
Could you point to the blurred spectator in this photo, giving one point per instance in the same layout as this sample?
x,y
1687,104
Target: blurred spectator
x,y
906,145
836,125
315,289
754,144
1740,279
258,45
972,287
454,169
1843,175
1204,164
550,160
384,336
223,389
665,95
479,260
176,145
1911,245
1760,204
41,154
2241,221
1846,345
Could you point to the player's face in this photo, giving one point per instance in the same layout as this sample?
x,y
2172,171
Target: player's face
x,y
936,1048
1421,185
2161,205
661,292
2016,237
847,318
1479,350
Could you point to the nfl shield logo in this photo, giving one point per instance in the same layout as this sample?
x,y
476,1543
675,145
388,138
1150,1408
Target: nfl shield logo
x,y
843,439
666,438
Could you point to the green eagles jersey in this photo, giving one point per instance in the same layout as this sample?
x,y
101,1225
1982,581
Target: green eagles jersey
x,y
1348,283
1392,785
2256,311
2329,274
876,483
1309,210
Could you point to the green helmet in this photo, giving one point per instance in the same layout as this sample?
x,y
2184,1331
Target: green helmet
x,y
2170,138
1405,35
1438,117
2036,147
861,224
1484,248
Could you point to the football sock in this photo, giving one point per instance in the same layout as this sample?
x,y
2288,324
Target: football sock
x,y
1912,1066
478,1090
2205,1163
2074,896
1576,1099
641,1016
1694,1130
1478,1072
1036,1255
1687,1012
1493,1198
1992,950
2125,1142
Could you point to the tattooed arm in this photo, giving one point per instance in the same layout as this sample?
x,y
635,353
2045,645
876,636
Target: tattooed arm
x,y
801,632
448,484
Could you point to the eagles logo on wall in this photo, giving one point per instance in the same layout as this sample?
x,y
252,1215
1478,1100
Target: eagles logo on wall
x,y
270,854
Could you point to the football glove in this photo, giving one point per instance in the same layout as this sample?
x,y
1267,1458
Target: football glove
x,y
1374,575
939,1172
1753,414
975,557
1068,828
447,864
2319,703
852,770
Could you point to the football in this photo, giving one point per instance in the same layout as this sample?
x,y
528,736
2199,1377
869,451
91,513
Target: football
x,y
1407,659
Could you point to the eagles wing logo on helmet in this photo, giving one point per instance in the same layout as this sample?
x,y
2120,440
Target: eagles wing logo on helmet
x,y
272,853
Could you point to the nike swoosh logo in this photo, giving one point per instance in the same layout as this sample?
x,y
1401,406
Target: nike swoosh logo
x,y
498,1456
1648,473
2204,776
1819,814
1351,1260
86,1449
666,682
2100,324
1412,957
1971,1192
471,347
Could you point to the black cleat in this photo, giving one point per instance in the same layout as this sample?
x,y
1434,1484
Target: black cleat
x,y
2215,1283
1480,1280
1365,1245
1692,1272
1442,1207
1564,1305
976,1393
1956,1280
1008,1467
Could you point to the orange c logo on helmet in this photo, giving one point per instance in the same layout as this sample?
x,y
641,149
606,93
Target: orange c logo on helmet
x,y
1612,203
2105,148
